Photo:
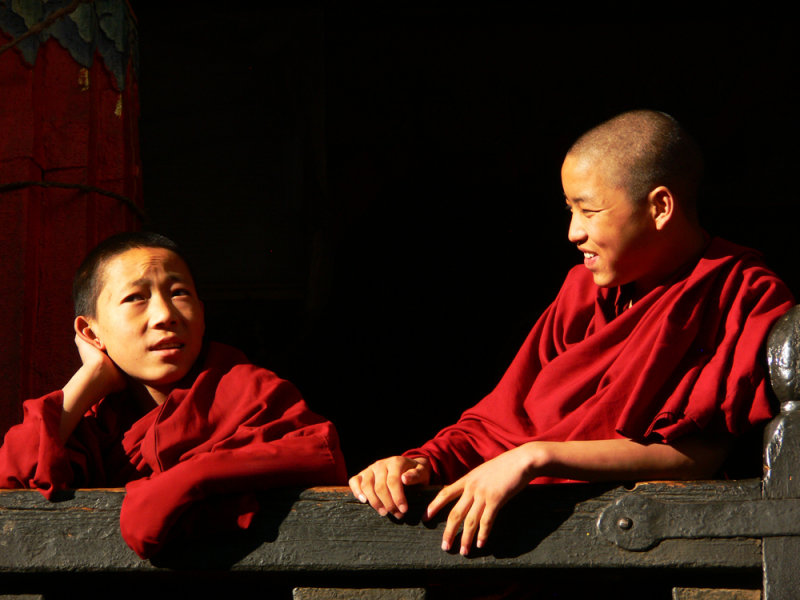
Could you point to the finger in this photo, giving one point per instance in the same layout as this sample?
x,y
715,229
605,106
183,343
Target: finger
x,y
487,522
383,493
368,489
454,520
355,487
395,487
445,496
471,522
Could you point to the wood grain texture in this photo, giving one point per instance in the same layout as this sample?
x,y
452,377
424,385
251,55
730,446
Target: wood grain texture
x,y
325,530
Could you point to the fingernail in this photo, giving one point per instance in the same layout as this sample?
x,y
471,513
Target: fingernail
x,y
403,508
382,512
362,498
445,546
464,550
479,544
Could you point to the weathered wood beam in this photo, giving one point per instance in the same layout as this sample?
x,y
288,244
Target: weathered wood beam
x,y
324,530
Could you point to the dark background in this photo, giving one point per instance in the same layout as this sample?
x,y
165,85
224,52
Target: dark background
x,y
371,197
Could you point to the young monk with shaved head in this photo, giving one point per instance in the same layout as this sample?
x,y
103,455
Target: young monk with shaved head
x,y
187,425
646,366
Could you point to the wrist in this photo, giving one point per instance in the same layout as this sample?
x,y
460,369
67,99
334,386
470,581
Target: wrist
x,y
84,389
99,375
537,459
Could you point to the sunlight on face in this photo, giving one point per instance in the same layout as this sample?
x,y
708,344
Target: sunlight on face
x,y
614,233
149,318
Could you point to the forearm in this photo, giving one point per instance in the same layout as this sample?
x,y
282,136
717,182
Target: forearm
x,y
30,456
83,390
626,460
457,449
153,505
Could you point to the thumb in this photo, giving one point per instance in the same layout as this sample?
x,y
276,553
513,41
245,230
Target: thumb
x,y
418,475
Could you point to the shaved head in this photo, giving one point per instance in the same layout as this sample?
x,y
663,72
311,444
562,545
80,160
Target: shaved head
x,y
89,279
641,150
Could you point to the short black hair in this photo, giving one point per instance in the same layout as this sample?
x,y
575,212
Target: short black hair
x,y
642,149
89,281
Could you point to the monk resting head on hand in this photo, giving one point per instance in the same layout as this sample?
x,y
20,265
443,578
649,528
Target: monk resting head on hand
x,y
139,321
189,426
646,366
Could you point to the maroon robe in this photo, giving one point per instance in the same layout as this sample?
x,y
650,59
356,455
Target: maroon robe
x,y
684,359
232,430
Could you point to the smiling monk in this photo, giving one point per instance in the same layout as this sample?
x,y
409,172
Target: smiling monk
x,y
190,427
646,366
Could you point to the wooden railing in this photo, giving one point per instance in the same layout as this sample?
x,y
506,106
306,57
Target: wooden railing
x,y
322,537
652,540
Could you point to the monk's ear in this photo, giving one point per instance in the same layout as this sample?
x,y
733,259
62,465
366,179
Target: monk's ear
x,y
662,206
85,329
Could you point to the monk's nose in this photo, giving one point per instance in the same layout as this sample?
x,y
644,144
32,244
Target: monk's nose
x,y
163,310
576,233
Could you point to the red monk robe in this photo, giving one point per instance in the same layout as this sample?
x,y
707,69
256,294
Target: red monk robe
x,y
684,359
235,430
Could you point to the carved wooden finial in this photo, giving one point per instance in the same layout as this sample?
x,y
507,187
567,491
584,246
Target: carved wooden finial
x,y
783,359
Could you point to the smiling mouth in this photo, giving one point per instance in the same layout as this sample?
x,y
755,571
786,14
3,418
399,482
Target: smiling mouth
x,y
589,259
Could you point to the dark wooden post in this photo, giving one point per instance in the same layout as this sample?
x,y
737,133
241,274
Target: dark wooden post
x,y
782,455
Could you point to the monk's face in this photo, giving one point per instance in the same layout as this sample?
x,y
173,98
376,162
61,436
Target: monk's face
x,y
615,234
149,318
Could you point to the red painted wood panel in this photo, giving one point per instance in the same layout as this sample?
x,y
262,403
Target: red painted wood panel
x,y
62,123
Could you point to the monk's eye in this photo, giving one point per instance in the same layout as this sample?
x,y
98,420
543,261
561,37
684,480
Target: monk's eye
x,y
133,298
181,292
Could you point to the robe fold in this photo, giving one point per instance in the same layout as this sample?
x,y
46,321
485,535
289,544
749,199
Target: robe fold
x,y
190,465
684,359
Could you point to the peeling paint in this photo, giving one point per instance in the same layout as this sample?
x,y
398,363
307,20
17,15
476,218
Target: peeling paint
x,y
83,79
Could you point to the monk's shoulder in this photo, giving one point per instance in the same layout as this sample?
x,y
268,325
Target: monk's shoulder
x,y
745,270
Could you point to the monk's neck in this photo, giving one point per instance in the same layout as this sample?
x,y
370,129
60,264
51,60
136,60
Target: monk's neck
x,y
682,250
148,397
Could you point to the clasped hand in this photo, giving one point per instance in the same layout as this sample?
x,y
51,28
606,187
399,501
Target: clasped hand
x,y
97,377
478,495
101,366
